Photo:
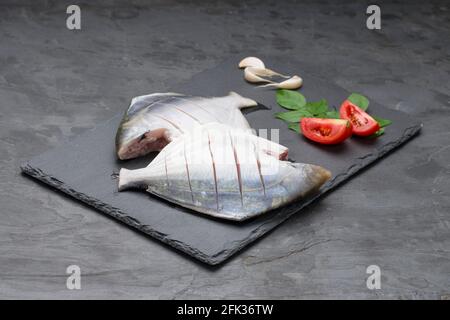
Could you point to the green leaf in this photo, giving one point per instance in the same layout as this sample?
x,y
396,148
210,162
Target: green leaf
x,y
333,114
376,134
290,99
359,100
293,116
382,122
295,126
317,107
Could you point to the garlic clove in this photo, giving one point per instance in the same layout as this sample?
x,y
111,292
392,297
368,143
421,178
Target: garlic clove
x,y
264,72
257,75
256,72
292,83
251,75
251,62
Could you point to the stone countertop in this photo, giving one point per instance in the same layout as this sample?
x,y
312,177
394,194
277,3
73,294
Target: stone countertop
x,y
56,83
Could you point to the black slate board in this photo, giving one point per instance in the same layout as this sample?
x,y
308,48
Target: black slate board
x,y
83,167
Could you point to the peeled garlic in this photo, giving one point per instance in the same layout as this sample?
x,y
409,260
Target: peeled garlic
x,y
255,75
264,72
294,82
251,62
256,72
251,76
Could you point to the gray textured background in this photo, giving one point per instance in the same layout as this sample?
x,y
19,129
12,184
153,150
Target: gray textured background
x,y
56,83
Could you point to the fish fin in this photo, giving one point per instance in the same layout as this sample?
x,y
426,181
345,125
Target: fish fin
x,y
123,179
143,101
260,106
156,94
130,179
242,101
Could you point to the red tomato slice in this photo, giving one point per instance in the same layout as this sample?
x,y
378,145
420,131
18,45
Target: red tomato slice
x,y
363,124
326,131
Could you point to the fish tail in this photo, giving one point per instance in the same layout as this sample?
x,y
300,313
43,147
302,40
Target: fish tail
x,y
242,101
130,179
123,179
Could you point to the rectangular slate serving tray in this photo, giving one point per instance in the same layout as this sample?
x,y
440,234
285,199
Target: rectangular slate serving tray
x,y
83,167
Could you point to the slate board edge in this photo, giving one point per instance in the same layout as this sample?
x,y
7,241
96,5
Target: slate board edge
x,y
223,255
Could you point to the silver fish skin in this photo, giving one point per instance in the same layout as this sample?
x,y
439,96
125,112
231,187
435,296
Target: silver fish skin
x,y
225,173
152,121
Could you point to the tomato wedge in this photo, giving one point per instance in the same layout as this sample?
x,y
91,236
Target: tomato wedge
x,y
363,124
326,131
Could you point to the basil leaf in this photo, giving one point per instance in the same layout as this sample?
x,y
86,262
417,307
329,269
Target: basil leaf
x,y
333,114
382,122
293,116
377,134
359,100
290,99
318,107
295,127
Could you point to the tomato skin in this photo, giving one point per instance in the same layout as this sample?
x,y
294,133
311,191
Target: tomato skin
x,y
363,124
326,131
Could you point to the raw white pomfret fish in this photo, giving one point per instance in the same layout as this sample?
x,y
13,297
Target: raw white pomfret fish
x,y
152,121
226,173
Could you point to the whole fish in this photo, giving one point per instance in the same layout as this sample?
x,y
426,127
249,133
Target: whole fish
x,y
226,173
152,121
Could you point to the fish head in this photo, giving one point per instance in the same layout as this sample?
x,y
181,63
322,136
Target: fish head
x,y
136,141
